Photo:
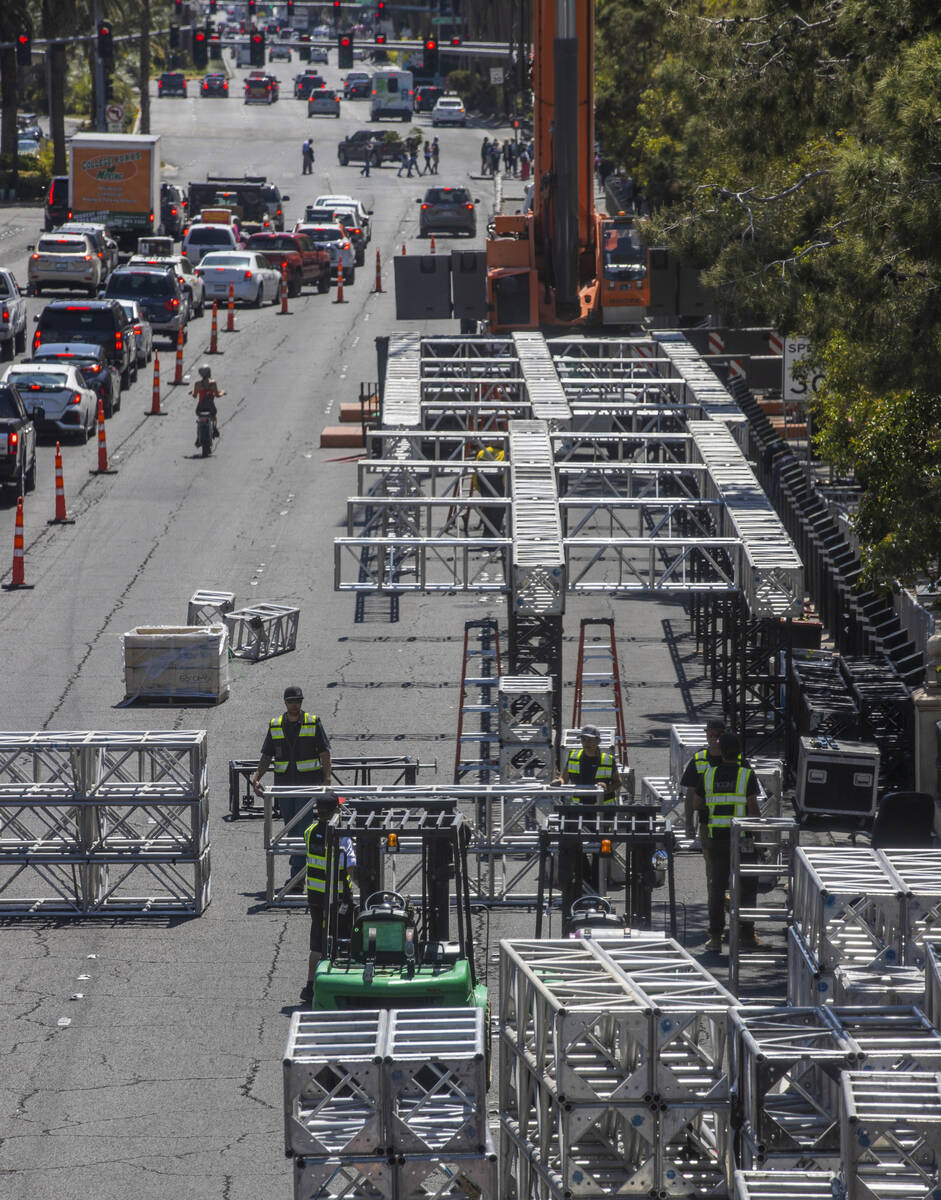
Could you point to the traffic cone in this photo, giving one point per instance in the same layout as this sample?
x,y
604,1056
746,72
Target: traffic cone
x,y
178,373
432,243
339,299
18,577
61,517
214,330
378,273
154,410
103,468
230,325
284,290
403,247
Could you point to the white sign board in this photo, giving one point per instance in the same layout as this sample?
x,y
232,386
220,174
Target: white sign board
x,y
496,74
115,127
796,349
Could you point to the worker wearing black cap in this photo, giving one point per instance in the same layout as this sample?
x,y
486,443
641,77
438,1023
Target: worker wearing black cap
x,y
315,840
590,766
298,748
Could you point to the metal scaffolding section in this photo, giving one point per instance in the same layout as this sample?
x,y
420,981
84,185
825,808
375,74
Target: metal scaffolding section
x,y
784,1185
613,1070
401,397
890,1133
702,382
543,387
762,849
102,823
919,872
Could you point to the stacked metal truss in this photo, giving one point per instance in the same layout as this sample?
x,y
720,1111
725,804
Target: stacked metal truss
x,y
785,1185
388,1105
525,724
760,848
98,823
613,1071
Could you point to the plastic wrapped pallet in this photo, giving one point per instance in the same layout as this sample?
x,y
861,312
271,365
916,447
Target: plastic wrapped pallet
x,y
177,662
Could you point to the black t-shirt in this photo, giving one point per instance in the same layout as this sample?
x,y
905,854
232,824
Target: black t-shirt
x,y
312,748
691,776
726,775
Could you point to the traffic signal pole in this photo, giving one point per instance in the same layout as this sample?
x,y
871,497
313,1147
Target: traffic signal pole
x,y
100,123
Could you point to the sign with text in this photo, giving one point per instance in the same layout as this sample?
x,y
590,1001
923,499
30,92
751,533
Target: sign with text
x,y
796,350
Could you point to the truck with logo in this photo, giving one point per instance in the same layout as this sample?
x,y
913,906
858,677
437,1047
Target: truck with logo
x,y
114,179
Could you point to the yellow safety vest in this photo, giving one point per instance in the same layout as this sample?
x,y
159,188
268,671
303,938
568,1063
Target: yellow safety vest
x,y
701,760
724,807
315,839
604,772
308,729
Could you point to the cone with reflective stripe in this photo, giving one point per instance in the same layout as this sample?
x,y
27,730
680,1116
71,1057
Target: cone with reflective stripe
x,y
178,373
284,289
103,468
214,329
230,324
339,299
18,576
61,517
378,272
154,410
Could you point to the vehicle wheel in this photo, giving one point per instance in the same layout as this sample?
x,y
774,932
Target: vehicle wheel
x,y
294,285
6,350
126,376
323,284
259,297
351,278
109,408
134,369
341,156
360,258
207,447
116,400
19,341
201,307
150,353
29,479
186,335
83,436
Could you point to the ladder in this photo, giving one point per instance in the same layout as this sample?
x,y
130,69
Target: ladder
x,y
480,674
598,697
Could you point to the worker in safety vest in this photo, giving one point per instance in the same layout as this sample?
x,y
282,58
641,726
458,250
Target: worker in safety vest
x,y
724,792
296,745
490,483
589,765
315,840
709,756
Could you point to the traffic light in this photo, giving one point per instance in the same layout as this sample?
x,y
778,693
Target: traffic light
x,y
213,5
251,8
290,9
105,45
344,52
178,7
200,49
381,7
24,50
380,39
174,37
258,48
431,56
455,41
109,84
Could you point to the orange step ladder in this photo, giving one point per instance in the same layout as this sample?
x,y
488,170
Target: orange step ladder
x,y
480,675
598,697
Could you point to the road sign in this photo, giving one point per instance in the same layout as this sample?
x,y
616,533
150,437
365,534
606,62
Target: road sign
x,y
496,74
114,113
796,349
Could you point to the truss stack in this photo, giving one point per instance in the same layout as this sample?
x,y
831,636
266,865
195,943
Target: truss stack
x,y
389,1105
890,1133
784,1185
761,848
525,724
613,1070
102,823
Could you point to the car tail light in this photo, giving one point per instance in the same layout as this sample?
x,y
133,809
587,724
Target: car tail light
x,y
346,245
424,206
468,206
87,257
137,330
13,440
174,211
35,256
37,340
225,85
93,369
6,314
248,274
119,340
76,398
70,214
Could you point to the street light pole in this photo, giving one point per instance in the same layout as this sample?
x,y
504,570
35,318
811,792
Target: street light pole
x,y
100,124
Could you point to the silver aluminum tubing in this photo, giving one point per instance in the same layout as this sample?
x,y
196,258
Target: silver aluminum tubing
x,y
401,401
537,525
701,380
545,391
784,1185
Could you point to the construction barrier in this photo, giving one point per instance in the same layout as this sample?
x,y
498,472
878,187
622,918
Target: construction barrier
x,y
284,289
378,272
103,468
230,324
214,329
61,517
18,577
178,373
154,410
339,299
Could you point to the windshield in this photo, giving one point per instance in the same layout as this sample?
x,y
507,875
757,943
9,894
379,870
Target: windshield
x,y
60,246
236,261
73,321
8,406
139,283
324,233
447,196
209,237
42,381
624,256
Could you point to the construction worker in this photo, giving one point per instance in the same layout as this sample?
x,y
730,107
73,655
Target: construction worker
x,y
297,746
315,839
725,791
590,765
709,756
490,484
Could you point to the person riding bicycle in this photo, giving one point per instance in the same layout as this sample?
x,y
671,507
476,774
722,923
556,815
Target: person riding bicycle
x,y
206,391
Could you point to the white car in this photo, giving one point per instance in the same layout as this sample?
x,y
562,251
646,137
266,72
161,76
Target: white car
x,y
318,54
191,282
333,238
12,317
449,110
252,279
347,202
143,331
323,102
206,239
68,405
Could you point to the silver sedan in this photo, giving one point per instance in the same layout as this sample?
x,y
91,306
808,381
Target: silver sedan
x,y
252,280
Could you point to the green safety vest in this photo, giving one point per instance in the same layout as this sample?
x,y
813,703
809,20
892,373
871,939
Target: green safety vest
x,y
308,729
604,772
724,807
315,839
701,760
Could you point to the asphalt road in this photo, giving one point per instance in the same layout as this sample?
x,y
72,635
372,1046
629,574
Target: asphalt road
x,y
166,1078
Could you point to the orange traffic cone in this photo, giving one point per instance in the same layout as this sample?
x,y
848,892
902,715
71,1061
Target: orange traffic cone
x,y
61,517
178,373
378,273
403,247
339,299
103,468
18,577
154,410
284,290
230,325
432,243
214,329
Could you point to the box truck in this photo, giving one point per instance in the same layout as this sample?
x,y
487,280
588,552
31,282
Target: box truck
x,y
114,178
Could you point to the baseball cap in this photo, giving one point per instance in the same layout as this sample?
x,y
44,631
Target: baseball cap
x,y
590,731
293,693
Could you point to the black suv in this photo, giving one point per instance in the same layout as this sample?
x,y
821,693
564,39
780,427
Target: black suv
x,y
57,202
103,322
171,83
172,209
158,292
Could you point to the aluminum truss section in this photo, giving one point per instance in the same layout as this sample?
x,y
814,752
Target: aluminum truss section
x,y
762,848
401,396
538,585
545,392
890,1134
919,872
933,982
104,823
785,1185
701,383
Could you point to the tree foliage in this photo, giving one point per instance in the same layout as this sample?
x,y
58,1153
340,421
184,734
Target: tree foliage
x,y
793,152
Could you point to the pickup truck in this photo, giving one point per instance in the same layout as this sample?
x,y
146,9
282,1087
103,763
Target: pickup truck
x,y
17,441
305,262
388,147
12,317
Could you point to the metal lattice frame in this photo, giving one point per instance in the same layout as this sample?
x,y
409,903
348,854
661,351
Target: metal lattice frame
x,y
890,1128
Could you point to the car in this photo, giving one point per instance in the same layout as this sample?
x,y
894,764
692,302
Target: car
x,y
449,110
12,316
332,237
27,126
323,102
56,396
27,146
172,208
296,256
92,362
357,85
307,82
105,246
387,147
426,96
143,331
252,280
65,260
160,295
274,204
203,239
340,200
56,203
319,54
171,83
356,234
260,88
215,84
447,210
279,54
192,285
103,322
18,442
